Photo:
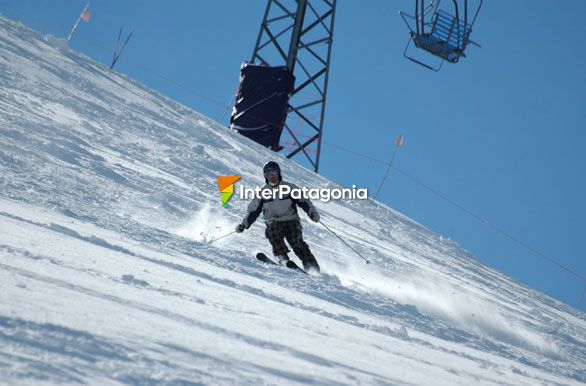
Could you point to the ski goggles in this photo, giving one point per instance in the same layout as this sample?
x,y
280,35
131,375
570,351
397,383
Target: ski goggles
x,y
271,173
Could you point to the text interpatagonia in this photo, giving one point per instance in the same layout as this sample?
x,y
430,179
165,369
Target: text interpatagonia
x,y
323,194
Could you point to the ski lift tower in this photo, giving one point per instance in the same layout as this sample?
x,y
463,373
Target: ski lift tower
x,y
298,34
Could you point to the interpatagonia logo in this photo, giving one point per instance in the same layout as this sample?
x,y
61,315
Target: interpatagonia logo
x,y
226,185
283,191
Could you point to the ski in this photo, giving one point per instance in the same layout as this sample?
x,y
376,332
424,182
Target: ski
x,y
290,264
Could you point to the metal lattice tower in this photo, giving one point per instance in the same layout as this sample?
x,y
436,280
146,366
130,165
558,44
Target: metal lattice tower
x,y
299,34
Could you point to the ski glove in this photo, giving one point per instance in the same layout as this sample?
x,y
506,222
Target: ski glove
x,y
314,216
240,228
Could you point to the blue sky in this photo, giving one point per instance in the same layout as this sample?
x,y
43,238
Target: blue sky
x,y
501,134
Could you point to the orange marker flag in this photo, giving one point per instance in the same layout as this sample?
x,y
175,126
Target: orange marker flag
x,y
85,16
399,141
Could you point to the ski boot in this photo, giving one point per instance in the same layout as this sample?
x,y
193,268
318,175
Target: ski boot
x,y
282,260
310,265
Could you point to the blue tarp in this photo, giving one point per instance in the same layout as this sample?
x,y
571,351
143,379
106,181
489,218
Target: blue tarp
x,y
261,103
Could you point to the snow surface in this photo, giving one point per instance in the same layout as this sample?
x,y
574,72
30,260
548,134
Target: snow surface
x,y
108,197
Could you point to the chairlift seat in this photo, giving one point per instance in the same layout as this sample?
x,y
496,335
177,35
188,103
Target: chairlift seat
x,y
448,37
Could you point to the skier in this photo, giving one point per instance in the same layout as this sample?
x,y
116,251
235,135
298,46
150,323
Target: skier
x,y
282,220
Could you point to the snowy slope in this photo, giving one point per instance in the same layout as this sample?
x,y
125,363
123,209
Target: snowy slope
x,y
108,196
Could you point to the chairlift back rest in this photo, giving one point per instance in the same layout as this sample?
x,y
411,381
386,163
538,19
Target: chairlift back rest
x,y
446,29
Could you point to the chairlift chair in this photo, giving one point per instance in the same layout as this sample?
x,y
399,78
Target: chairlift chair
x,y
444,35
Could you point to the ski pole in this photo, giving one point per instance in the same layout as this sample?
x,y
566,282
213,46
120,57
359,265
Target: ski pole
x,y
334,233
221,237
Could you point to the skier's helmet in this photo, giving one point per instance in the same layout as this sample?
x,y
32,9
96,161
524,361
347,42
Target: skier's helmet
x,y
271,167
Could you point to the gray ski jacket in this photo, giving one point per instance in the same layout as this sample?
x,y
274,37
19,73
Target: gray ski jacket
x,y
278,209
